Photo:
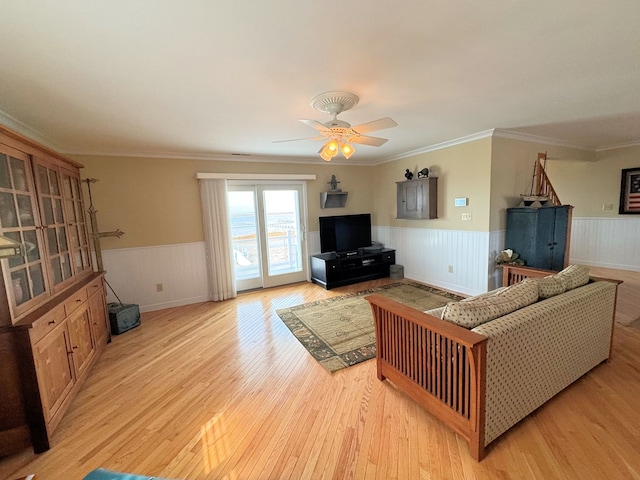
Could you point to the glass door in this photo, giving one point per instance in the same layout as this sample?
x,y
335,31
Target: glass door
x,y
267,229
19,221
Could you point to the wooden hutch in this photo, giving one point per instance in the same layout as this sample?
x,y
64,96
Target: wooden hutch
x,y
53,317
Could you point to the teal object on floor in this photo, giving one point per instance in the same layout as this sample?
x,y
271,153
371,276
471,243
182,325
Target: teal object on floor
x,y
102,474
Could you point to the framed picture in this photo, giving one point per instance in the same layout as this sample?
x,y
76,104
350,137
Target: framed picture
x,y
630,191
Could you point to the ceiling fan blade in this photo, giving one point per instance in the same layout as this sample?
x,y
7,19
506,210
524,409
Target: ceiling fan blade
x,y
365,140
317,125
293,140
379,124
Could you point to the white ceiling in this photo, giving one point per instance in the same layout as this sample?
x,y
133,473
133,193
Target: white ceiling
x,y
218,77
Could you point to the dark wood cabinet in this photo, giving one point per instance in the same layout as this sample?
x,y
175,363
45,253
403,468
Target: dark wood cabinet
x,y
330,270
541,236
418,199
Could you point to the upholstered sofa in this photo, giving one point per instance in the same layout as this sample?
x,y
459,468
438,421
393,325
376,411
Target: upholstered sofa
x,y
483,364
103,474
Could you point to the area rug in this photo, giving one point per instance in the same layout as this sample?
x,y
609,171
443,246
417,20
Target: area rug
x,y
339,332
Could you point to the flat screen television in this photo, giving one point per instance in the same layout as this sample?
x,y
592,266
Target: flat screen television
x,y
345,234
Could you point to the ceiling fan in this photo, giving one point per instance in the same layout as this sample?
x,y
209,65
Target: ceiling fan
x,y
338,133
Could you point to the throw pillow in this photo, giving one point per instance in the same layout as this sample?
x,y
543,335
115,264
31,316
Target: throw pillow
x,y
471,314
474,312
549,287
435,312
573,276
484,295
519,294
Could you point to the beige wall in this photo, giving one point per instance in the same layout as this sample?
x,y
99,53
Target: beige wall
x,y
463,171
591,185
581,178
156,201
512,171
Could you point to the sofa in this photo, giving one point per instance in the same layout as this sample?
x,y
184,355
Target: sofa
x,y
103,474
484,363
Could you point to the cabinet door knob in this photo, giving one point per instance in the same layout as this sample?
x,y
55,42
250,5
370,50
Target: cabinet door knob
x,y
51,322
75,347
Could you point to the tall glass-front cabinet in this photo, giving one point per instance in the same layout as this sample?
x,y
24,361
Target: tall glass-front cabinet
x,y
53,318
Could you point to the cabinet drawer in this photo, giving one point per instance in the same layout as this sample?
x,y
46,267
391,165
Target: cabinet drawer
x,y
46,323
94,286
75,300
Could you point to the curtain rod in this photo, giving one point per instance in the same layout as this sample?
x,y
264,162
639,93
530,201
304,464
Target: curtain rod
x,y
255,176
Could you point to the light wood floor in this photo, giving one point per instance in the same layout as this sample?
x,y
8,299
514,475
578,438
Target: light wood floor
x,y
224,391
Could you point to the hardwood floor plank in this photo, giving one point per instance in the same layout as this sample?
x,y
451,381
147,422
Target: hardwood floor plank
x,y
224,390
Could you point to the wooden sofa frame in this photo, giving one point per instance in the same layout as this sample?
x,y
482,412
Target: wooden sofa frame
x,y
442,366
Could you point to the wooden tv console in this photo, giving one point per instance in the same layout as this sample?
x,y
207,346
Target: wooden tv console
x,y
331,270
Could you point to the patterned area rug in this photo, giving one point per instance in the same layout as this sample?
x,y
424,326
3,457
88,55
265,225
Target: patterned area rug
x,y
339,331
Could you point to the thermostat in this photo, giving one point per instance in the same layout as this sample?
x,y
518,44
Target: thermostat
x,y
461,202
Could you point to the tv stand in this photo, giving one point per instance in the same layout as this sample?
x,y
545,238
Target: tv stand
x,y
331,270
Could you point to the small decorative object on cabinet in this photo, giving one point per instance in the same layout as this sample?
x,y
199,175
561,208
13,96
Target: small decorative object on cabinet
x,y
408,174
424,173
53,318
540,235
418,199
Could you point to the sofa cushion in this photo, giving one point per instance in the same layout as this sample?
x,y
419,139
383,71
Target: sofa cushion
x,y
481,309
573,276
435,312
484,295
549,286
471,314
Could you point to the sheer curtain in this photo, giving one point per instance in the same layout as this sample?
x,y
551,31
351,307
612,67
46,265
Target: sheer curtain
x,y
215,219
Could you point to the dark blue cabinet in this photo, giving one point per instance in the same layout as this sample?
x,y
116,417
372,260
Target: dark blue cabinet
x,y
540,235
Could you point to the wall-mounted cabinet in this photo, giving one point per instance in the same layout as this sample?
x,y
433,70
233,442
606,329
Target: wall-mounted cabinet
x,y
418,199
53,319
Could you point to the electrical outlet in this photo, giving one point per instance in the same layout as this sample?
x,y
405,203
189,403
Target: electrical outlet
x,y
450,269
466,216
159,287
607,206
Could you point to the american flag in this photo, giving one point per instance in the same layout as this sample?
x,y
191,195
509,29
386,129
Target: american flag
x,y
633,199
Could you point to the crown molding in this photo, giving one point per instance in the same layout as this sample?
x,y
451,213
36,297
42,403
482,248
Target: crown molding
x,y
222,157
23,129
439,146
606,148
526,137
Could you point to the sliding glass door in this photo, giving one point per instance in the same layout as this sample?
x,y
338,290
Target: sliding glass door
x,y
267,229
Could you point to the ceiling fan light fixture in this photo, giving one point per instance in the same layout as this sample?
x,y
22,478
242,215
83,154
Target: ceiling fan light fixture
x,y
338,134
347,150
329,150
325,155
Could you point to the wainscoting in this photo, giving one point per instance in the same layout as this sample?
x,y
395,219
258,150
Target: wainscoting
x,y
425,253
135,272
606,242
